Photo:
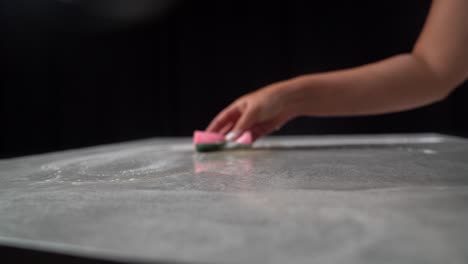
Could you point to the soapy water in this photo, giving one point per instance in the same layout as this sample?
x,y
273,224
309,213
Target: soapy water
x,y
126,165
429,151
179,161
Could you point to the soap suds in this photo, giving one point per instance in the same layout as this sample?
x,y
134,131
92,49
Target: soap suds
x,y
126,165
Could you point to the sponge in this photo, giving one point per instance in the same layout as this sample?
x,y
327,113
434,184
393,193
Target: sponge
x,y
208,141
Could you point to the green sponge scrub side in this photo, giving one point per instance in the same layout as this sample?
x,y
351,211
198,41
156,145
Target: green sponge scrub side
x,y
209,147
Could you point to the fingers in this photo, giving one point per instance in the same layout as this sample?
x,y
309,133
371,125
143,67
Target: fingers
x,y
245,122
226,128
268,127
224,120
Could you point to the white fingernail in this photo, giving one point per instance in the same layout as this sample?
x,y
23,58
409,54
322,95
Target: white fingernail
x,y
231,136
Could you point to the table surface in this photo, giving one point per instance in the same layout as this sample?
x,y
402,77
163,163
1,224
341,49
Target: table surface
x,y
323,199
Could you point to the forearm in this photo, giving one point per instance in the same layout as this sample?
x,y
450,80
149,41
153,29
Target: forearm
x,y
398,83
437,64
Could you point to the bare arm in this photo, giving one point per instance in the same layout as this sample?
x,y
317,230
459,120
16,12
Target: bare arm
x,y
437,64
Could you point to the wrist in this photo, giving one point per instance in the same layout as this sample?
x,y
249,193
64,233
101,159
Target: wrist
x,y
293,93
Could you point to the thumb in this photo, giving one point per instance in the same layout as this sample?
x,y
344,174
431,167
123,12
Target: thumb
x,y
246,121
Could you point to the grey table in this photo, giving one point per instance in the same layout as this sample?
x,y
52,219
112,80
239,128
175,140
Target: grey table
x,y
360,199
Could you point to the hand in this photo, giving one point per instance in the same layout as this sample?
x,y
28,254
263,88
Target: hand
x,y
260,112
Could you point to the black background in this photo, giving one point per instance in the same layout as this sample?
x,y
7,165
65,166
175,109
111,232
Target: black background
x,y
74,75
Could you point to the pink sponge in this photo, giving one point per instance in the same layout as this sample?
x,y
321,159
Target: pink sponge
x,y
203,137
245,139
209,141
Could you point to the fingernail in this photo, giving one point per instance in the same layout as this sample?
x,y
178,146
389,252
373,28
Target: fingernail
x,y
231,136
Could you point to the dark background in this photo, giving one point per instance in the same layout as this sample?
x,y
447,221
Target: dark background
x,y
82,72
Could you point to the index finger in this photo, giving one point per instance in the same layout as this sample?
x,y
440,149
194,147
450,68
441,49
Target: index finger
x,y
228,115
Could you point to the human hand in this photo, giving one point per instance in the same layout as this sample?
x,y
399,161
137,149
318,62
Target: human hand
x,y
260,112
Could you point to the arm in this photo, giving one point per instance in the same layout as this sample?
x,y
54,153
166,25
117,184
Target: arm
x,y
437,64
